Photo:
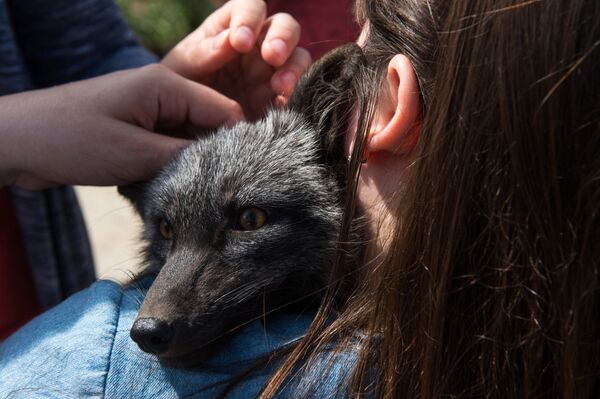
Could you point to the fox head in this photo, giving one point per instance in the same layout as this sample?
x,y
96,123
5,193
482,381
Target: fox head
x,y
246,218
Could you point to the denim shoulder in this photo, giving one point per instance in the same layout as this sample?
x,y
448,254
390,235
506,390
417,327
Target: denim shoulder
x,y
65,351
81,348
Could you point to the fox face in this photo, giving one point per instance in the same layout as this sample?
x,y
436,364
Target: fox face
x,y
246,219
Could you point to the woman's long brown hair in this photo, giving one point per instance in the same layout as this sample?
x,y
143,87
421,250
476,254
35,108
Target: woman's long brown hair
x,y
491,285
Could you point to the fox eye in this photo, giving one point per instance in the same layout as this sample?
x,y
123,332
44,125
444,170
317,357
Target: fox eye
x,y
165,229
252,219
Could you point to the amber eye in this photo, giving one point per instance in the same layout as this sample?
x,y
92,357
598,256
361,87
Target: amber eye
x,y
165,229
252,219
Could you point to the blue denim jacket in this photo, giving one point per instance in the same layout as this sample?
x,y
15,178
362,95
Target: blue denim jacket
x,y
45,43
82,348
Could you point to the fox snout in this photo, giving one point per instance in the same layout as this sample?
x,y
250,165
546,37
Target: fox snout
x,y
174,341
153,335
165,331
157,327
165,315
191,304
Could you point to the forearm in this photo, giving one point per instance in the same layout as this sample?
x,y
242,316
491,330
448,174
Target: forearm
x,y
31,127
12,127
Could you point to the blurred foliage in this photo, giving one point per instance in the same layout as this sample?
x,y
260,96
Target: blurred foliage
x,y
160,24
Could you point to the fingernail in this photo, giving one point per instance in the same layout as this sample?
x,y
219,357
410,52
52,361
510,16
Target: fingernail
x,y
289,81
278,46
244,36
219,40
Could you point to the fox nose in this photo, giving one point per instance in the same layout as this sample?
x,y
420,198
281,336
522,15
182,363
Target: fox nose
x,y
152,335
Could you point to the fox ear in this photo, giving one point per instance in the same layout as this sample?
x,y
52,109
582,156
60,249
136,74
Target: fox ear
x,y
325,95
136,194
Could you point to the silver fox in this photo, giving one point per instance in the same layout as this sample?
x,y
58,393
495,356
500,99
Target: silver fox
x,y
246,219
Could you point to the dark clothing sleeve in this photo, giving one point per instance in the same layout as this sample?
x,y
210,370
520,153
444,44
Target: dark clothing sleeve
x,y
68,40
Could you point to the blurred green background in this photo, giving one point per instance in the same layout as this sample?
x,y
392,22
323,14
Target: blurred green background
x,y
160,24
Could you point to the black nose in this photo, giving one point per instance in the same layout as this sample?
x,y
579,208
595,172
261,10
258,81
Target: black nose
x,y
152,335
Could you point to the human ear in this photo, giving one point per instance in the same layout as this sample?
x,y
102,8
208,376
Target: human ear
x,y
396,126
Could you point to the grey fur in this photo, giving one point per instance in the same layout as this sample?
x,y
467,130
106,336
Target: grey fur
x,y
212,276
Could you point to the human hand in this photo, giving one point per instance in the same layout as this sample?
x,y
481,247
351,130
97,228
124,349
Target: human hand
x,y
241,53
102,131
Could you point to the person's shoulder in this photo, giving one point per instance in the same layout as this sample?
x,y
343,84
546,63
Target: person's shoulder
x,y
82,348
241,366
66,350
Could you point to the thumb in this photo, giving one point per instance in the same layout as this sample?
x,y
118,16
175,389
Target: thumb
x,y
182,102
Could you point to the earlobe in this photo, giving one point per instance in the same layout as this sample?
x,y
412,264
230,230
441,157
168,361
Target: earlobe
x,y
396,125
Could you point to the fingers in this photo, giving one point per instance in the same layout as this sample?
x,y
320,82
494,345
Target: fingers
x,y
147,154
195,58
128,154
236,28
183,101
277,35
282,36
247,18
284,80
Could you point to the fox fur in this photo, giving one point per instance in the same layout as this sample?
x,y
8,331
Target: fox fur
x,y
211,275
